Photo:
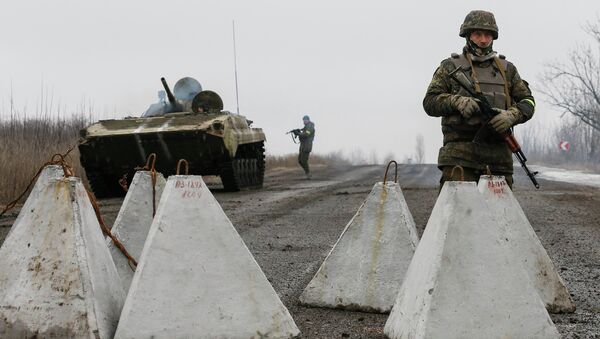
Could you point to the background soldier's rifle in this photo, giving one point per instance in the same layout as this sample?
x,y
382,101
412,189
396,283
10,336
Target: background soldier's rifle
x,y
295,132
489,112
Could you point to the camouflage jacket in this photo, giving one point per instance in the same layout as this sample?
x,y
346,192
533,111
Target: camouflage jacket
x,y
306,136
458,148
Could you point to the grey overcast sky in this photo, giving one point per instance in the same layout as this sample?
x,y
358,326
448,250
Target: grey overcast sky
x,y
358,68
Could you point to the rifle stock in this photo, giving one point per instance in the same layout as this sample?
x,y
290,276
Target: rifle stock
x,y
488,112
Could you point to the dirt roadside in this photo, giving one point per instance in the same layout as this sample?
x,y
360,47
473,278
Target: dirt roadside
x,y
292,223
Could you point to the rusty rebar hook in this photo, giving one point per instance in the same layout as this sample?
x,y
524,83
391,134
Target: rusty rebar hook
x,y
395,172
462,172
187,166
152,157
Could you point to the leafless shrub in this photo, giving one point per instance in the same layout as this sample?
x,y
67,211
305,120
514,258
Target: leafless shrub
x,y
373,158
574,86
388,157
420,150
358,157
26,144
541,143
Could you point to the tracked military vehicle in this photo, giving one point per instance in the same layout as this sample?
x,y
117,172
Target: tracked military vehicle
x,y
191,125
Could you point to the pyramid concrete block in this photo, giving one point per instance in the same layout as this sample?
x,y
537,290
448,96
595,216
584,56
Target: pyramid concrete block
x,y
367,264
196,277
525,245
462,282
133,222
57,278
49,172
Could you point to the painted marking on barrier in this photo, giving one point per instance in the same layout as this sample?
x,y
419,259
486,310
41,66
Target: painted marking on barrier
x,y
498,187
192,189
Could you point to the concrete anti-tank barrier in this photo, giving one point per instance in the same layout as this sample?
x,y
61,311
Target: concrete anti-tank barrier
x,y
49,172
462,282
367,264
196,277
524,244
133,222
57,278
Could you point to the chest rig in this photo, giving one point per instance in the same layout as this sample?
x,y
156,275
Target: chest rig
x,y
488,77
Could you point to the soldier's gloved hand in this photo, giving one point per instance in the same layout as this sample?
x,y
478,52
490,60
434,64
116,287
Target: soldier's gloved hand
x,y
467,106
505,119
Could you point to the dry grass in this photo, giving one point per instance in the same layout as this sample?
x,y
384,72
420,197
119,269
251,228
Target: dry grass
x,y
26,144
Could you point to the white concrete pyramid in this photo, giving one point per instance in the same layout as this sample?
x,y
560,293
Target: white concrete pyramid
x,y
196,277
57,278
462,282
49,172
367,264
525,245
133,222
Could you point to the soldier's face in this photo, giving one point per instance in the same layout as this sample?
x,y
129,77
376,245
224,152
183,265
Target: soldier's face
x,y
481,38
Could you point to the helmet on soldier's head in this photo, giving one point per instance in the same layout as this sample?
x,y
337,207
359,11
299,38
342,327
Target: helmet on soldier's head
x,y
479,20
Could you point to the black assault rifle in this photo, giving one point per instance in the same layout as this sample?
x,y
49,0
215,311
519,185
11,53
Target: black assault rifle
x,y
294,133
489,112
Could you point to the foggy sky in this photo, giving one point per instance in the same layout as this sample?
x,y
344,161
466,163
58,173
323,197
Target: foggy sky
x,y
359,69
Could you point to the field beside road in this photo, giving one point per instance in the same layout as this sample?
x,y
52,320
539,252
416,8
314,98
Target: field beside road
x,y
291,224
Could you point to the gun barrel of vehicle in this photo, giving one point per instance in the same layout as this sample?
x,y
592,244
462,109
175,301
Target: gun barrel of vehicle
x,y
170,95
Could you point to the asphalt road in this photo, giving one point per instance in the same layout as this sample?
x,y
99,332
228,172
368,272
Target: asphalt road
x,y
291,224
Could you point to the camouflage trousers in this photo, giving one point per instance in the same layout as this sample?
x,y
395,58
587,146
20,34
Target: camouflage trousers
x,y
303,161
471,174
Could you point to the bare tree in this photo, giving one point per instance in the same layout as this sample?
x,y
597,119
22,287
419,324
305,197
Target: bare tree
x,y
420,149
373,157
574,86
388,157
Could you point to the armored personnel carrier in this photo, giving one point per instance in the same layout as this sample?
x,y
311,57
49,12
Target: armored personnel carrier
x,y
191,125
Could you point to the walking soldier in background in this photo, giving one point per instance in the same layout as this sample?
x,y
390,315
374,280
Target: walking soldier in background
x,y
499,82
306,136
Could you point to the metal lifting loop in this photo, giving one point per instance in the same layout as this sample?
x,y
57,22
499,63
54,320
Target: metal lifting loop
x,y
187,166
462,172
151,157
59,159
395,171
488,171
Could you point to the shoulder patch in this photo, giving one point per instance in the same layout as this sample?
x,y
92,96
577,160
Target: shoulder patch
x,y
501,56
454,55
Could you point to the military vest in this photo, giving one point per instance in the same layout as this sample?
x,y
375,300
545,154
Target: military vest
x,y
488,78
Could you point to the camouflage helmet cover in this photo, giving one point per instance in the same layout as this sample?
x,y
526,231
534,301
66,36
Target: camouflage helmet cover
x,y
482,20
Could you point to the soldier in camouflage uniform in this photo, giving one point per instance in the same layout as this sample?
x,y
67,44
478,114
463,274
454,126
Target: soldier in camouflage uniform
x,y
499,81
306,136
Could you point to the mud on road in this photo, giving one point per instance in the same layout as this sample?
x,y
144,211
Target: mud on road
x,y
291,224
